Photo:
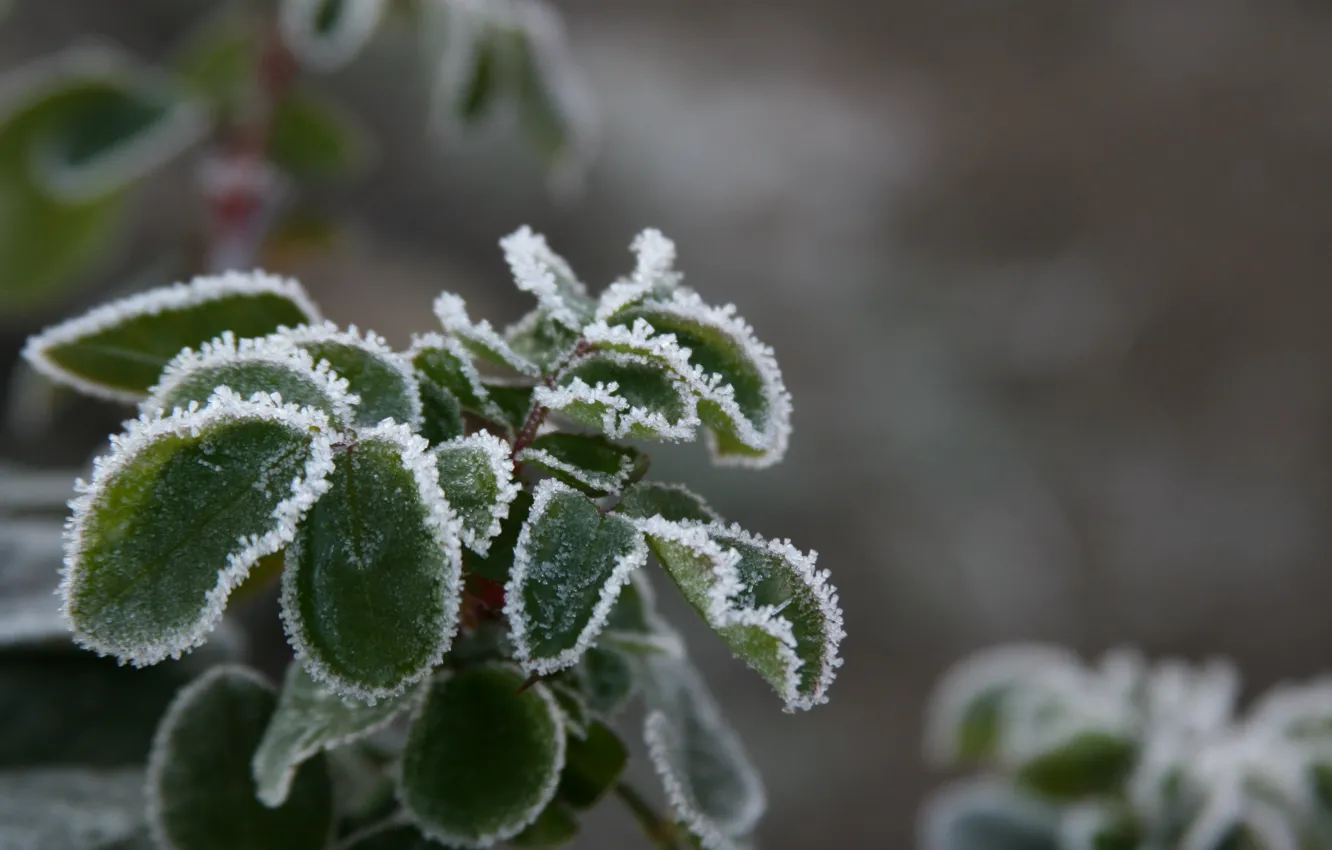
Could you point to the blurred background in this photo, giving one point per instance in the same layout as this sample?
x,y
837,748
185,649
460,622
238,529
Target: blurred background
x,y
1049,282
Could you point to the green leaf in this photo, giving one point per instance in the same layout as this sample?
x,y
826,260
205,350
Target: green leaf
x,y
483,756
592,767
310,718
119,350
372,586
382,378
441,414
498,562
569,566
673,502
654,276
590,463
553,106
72,809
541,339
741,396
200,792
327,34
312,137
625,395
988,815
555,825
512,399
447,364
217,61
1088,763
483,81
572,706
249,366
479,339
477,476
177,515
541,272
766,599
606,679
703,767
634,627
389,836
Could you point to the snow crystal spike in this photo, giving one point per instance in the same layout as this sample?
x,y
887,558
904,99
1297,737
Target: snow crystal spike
x,y
479,338
541,272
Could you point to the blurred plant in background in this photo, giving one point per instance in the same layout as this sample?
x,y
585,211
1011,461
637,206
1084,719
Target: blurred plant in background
x,y
1125,755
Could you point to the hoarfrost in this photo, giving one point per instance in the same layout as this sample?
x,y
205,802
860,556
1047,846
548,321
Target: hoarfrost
x,y
318,47
480,526
480,338
541,272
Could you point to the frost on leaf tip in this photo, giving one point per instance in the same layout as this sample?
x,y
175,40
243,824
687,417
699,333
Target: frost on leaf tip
x,y
270,364
327,34
373,580
654,275
625,394
767,599
476,474
541,272
382,378
480,338
130,586
117,351
569,566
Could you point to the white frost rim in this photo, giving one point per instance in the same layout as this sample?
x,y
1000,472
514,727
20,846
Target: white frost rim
x,y
223,407
654,274
549,786
709,541
496,454
480,337
609,482
536,270
328,52
371,343
452,346
226,350
619,418
440,522
676,487
179,296
159,757
515,607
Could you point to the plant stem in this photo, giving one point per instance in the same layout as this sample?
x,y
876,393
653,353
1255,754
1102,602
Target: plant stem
x,y
538,413
660,831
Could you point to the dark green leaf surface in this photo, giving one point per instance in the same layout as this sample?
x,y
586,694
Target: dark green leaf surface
x,y
512,400
591,463
176,516
670,501
606,679
371,589
390,837
1089,763
441,414
541,339
201,794
634,627
498,562
381,377
310,718
592,766
555,825
483,757
570,563
476,475
118,351
448,365
313,138
625,396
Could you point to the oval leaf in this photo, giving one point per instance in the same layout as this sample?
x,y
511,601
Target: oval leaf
x,y
606,679
591,463
380,377
251,366
483,756
200,793
310,718
569,566
673,502
654,276
541,339
480,339
541,272
626,395
634,626
312,137
556,825
177,515
372,586
476,474
327,34
441,414
447,364
712,787
765,598
119,350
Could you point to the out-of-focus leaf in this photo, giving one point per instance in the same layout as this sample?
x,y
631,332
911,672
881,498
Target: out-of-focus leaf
x,y
555,825
313,137
592,766
606,679
1088,763
987,815
327,34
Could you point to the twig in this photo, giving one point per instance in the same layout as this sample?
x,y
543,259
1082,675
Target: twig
x,y
660,831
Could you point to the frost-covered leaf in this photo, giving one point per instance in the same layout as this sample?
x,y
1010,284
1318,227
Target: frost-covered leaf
x,y
541,272
441,414
764,597
496,564
573,707
987,815
555,825
30,556
390,836
313,137
588,462
654,276
249,366
200,792
741,396
477,476
673,502
479,339
512,398
624,394
701,762
72,809
593,765
117,351
606,679
569,565
444,362
327,34
382,378
541,339
482,718
310,718
371,590
634,626
178,513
